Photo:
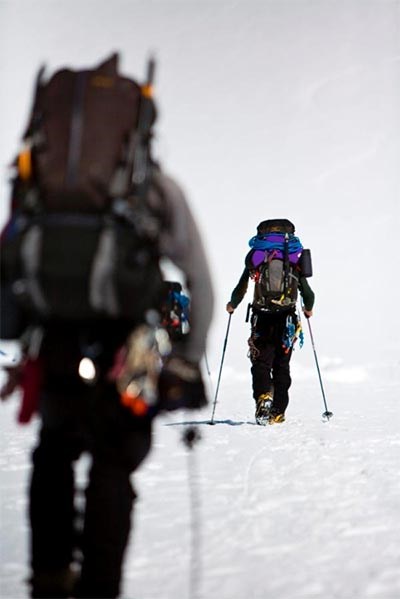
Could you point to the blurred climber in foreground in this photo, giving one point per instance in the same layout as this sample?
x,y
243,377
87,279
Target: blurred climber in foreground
x,y
91,216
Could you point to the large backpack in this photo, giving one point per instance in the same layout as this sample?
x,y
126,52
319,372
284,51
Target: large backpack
x,y
81,242
275,264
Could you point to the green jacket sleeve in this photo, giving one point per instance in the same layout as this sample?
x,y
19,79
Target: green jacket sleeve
x,y
240,290
306,293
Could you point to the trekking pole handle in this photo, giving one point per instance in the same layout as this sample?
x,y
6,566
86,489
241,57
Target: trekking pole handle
x,y
311,335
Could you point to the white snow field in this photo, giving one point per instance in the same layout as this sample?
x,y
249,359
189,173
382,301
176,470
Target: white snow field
x,y
303,510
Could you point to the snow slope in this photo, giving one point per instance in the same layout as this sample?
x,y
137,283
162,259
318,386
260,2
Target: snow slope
x,y
303,510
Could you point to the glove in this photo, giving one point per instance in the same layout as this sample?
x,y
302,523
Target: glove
x,y
180,385
230,308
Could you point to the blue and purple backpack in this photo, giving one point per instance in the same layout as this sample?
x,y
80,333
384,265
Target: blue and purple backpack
x,y
275,265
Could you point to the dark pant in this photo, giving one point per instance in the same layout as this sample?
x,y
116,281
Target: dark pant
x,y
77,419
270,360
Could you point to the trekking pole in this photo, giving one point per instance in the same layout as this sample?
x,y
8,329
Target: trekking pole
x,y
209,373
220,368
206,363
190,437
326,414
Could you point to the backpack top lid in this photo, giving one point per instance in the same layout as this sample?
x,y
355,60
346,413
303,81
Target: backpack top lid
x,y
103,75
279,225
270,240
86,126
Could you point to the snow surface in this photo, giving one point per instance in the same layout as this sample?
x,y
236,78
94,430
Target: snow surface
x,y
307,509
280,108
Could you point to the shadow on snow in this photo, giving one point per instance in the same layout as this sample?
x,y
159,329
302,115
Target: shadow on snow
x,y
193,422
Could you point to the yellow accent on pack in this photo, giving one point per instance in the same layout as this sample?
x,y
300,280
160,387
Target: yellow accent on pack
x,y
147,91
25,162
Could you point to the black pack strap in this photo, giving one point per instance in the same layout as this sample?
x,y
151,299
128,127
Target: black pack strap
x,y
102,291
30,256
286,265
76,129
141,163
134,174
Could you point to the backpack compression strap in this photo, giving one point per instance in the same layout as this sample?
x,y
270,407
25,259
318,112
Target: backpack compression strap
x,y
286,265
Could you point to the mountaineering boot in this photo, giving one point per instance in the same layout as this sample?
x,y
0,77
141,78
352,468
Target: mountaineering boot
x,y
276,418
263,407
